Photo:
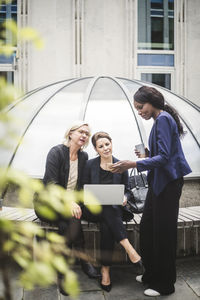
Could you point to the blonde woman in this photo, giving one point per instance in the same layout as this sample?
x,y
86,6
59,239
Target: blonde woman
x,y
64,166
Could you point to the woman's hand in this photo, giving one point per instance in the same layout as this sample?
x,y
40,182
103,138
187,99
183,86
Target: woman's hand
x,y
122,165
124,201
76,210
139,155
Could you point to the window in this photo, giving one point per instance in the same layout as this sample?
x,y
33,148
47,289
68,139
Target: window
x,y
7,11
155,50
8,76
159,79
156,24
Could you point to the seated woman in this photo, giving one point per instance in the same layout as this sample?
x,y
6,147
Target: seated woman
x,y
64,166
111,223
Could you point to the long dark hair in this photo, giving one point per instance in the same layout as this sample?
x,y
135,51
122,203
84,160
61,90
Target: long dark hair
x,y
146,94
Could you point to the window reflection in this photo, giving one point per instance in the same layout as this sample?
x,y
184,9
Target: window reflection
x,y
156,24
159,79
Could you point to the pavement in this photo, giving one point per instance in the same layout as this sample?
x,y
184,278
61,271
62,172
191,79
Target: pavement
x,y
124,285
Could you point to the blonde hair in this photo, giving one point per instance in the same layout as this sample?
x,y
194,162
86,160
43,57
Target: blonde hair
x,y
76,125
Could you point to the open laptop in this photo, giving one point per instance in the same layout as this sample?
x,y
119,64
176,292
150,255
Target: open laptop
x,y
106,194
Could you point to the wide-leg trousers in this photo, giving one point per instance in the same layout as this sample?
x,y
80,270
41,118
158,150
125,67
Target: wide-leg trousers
x,y
158,237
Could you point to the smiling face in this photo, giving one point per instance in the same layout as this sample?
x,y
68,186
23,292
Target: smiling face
x,y
104,148
146,110
79,136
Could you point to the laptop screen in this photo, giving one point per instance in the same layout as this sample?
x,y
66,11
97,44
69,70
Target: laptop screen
x,y
106,194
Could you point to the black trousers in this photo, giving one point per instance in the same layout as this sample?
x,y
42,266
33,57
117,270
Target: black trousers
x,y
112,230
111,224
158,237
70,228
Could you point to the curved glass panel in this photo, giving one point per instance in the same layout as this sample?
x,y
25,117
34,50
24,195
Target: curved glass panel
x,y
145,126
21,115
192,153
49,126
109,110
187,112
190,119
44,115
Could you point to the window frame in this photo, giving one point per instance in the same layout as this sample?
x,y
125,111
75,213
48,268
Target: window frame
x,y
156,69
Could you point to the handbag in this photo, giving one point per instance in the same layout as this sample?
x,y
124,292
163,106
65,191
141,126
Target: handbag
x,y
127,213
139,189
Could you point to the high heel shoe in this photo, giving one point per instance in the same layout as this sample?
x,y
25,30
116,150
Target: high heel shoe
x,y
106,288
138,263
139,266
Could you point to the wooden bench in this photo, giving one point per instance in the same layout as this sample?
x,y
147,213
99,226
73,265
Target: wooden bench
x,y
188,230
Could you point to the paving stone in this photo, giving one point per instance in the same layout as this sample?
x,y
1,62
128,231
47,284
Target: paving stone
x,y
95,295
16,290
86,283
194,283
124,284
48,293
183,292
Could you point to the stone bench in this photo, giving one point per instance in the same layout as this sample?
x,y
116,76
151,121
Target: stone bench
x,y
188,231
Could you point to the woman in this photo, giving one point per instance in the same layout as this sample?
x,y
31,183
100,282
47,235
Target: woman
x,y
166,167
111,223
64,166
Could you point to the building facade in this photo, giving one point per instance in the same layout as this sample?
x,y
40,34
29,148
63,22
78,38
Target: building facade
x,y
152,40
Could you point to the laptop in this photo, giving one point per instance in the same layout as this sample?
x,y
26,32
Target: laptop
x,y
106,194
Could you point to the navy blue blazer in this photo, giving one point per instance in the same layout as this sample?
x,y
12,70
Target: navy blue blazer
x,y
91,175
166,160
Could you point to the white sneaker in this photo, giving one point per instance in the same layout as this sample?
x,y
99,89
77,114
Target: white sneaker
x,y
151,293
139,278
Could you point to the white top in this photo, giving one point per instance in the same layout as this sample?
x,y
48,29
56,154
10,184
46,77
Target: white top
x,y
73,175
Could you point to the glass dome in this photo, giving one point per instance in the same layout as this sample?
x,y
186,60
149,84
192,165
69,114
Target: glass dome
x,y
41,118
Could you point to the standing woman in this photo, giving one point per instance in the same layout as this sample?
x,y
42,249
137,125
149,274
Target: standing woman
x,y
166,166
111,220
64,166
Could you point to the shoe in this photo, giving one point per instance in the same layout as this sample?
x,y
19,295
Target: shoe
x,y
139,278
89,269
140,267
151,293
106,288
139,264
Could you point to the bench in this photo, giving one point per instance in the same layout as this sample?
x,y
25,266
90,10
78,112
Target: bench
x,y
188,230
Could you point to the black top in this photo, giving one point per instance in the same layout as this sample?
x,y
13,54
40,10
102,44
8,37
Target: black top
x,y
106,177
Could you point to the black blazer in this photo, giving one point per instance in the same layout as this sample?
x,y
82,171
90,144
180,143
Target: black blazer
x,y
57,166
92,174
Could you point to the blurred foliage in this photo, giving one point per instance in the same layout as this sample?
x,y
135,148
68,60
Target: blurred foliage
x,y
41,261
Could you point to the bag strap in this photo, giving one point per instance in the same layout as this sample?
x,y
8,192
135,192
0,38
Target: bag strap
x,y
135,171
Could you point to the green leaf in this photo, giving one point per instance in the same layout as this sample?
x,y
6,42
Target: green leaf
x,y
30,229
46,212
60,264
22,261
8,246
55,238
70,284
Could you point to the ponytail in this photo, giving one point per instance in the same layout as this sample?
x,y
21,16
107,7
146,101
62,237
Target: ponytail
x,y
175,115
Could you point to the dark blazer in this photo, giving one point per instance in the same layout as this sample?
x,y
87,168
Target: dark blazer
x,y
166,160
57,166
92,174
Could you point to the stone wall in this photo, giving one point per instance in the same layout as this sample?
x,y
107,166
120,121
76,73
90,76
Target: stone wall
x,y
190,195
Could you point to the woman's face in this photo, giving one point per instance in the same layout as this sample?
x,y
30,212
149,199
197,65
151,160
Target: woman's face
x,y
104,147
80,136
146,110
